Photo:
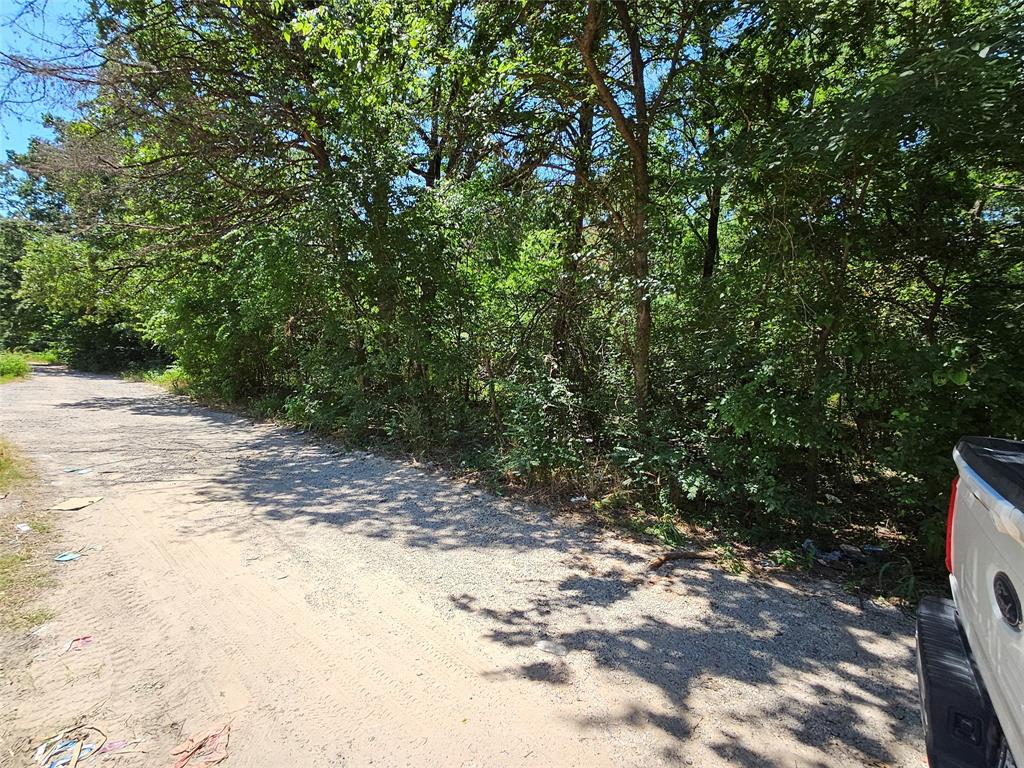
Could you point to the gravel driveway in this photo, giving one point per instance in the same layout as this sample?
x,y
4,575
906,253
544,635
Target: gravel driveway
x,y
343,609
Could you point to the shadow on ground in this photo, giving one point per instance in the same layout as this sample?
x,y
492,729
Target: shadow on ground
x,y
842,670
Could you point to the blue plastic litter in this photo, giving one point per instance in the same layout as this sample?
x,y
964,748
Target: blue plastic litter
x,y
63,759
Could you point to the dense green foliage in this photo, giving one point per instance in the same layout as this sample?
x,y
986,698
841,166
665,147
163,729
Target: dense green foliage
x,y
12,366
748,263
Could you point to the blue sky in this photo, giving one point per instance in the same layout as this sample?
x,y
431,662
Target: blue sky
x,y
35,34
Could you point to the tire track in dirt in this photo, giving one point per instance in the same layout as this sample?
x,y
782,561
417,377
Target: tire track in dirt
x,y
389,656
348,610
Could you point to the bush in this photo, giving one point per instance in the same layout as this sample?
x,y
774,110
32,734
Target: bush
x,y
12,366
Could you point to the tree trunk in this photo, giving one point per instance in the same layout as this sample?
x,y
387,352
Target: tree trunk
x,y
567,290
635,133
711,247
820,363
642,291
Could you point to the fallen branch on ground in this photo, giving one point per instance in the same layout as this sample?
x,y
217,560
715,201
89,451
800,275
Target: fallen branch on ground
x,y
680,554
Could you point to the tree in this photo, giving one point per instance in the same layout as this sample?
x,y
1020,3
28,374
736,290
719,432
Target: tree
x,y
755,264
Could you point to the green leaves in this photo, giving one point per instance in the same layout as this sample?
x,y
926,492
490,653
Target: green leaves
x,y
419,223
956,377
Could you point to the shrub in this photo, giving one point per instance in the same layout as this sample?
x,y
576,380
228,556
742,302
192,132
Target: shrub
x,y
12,366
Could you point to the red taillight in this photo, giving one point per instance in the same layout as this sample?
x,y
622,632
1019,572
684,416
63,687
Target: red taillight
x,y
949,525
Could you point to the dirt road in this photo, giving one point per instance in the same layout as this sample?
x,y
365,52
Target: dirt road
x,y
343,609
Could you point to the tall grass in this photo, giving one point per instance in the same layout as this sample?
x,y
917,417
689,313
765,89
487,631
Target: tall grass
x,y
20,551
12,467
45,357
171,378
13,366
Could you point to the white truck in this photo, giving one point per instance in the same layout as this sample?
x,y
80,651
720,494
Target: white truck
x,y
970,651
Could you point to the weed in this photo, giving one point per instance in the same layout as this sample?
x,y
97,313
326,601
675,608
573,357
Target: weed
x,y
664,529
730,559
786,558
171,378
897,578
613,501
12,468
20,579
34,618
45,357
10,566
40,526
13,366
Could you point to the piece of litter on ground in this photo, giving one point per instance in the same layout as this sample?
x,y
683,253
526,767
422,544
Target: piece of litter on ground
x,y
115,746
76,754
549,647
23,528
205,748
79,502
68,748
44,749
67,557
70,469
82,471
77,644
70,752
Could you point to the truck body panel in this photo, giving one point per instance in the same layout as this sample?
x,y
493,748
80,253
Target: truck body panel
x,y
987,552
